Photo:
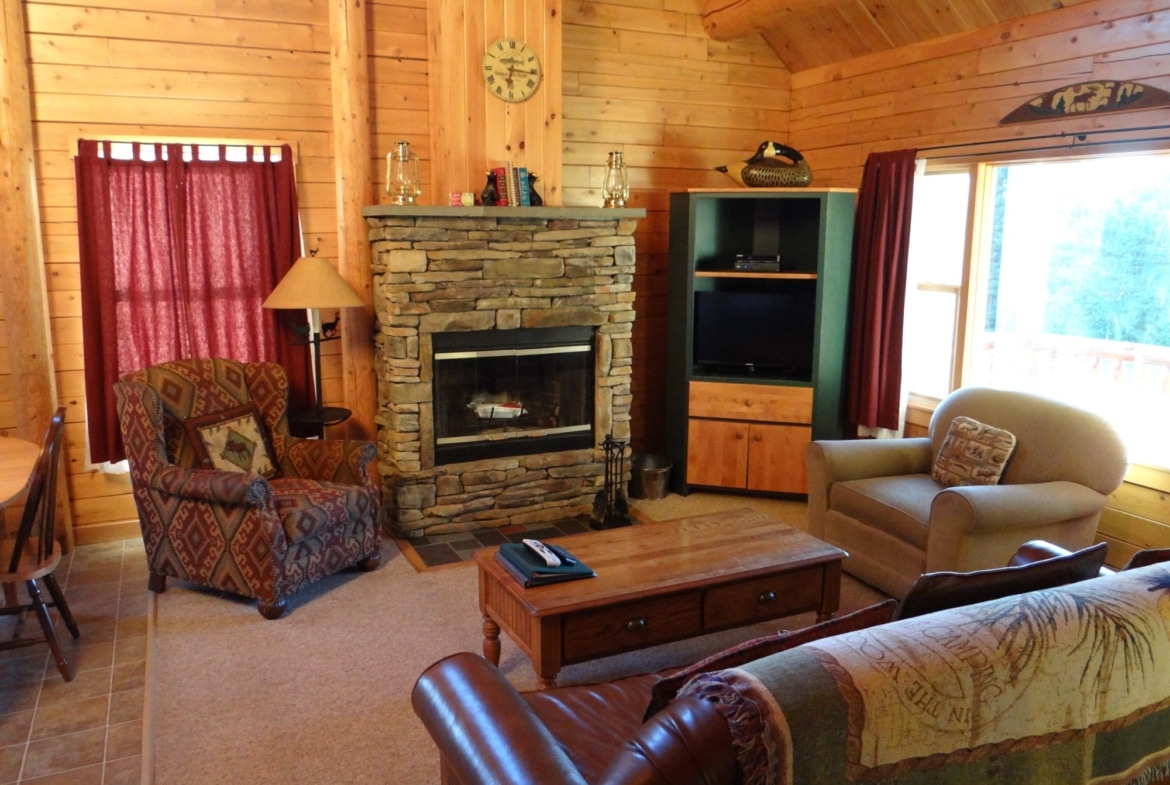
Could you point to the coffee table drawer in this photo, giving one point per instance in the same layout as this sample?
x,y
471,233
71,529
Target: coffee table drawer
x,y
763,598
630,626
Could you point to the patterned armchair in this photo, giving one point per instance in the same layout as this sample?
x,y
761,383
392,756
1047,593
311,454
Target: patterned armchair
x,y
286,513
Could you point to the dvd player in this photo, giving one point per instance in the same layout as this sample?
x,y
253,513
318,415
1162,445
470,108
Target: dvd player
x,y
757,263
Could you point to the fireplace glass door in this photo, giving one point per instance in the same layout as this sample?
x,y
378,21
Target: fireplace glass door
x,y
512,392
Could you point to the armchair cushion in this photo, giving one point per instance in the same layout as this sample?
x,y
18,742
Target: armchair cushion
x,y
936,591
232,440
900,504
308,508
972,453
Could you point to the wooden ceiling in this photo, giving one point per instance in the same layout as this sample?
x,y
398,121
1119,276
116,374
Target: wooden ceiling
x,y
812,33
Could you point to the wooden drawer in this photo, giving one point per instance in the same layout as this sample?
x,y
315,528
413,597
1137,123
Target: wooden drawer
x,y
763,598
755,402
631,626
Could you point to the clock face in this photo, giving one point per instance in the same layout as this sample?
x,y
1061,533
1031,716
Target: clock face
x,y
511,70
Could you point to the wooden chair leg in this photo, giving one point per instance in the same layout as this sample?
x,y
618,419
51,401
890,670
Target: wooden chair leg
x,y
62,606
42,611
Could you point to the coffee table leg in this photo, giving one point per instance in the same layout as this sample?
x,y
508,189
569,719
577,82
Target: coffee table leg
x,y
546,682
491,641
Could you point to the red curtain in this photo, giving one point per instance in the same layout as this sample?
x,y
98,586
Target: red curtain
x,y
881,245
176,257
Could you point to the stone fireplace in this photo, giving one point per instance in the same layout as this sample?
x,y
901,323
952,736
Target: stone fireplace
x,y
490,324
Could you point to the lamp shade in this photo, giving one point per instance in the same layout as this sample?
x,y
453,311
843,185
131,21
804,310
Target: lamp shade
x,y
313,282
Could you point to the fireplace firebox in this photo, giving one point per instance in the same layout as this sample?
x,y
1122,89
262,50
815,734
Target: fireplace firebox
x,y
501,393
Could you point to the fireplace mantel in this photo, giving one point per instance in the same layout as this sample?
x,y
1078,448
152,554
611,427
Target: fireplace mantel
x,y
534,213
469,269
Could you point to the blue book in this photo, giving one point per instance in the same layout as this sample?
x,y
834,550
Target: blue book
x,y
525,193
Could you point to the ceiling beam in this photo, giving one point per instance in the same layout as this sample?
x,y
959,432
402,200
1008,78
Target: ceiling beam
x,y
730,20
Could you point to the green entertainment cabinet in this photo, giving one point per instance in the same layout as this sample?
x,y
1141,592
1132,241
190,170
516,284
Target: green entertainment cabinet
x,y
757,324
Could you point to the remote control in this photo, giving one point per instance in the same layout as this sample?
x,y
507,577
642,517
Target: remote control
x,y
541,550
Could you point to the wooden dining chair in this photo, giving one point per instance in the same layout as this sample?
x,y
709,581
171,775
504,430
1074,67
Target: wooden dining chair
x,y
33,554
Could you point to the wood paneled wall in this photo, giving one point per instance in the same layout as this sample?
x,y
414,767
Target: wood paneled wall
x,y
642,77
193,69
955,90
639,76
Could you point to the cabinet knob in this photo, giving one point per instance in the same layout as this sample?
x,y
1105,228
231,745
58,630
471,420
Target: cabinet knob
x,y
739,435
636,625
757,438
748,403
766,597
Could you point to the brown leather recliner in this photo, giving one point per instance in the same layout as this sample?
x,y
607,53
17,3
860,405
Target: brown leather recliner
x,y
487,732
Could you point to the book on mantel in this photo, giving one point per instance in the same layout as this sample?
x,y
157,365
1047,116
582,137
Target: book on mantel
x,y
528,568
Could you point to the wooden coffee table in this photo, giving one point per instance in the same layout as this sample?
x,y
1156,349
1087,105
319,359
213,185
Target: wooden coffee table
x,y
656,583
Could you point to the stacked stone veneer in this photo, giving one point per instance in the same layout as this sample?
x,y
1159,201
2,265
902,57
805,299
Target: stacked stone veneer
x,y
437,270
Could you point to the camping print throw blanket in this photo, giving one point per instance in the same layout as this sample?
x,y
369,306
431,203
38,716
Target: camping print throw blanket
x,y
1069,685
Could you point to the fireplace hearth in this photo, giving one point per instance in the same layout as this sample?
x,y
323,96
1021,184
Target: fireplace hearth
x,y
504,360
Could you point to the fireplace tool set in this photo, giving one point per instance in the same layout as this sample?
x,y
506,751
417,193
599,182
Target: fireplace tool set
x,y
610,508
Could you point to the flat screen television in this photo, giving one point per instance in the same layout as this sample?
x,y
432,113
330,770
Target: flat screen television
x,y
765,334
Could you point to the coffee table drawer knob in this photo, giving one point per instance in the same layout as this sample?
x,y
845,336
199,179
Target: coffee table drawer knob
x,y
766,597
636,625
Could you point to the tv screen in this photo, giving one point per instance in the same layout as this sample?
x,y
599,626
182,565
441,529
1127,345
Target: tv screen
x,y
768,334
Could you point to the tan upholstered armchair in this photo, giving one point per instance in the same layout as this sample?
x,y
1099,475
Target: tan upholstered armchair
x,y
877,499
285,513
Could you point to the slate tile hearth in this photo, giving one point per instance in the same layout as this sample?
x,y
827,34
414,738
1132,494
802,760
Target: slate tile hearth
x,y
435,550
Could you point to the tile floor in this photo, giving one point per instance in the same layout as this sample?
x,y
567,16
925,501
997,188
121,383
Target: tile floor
x,y
438,549
87,731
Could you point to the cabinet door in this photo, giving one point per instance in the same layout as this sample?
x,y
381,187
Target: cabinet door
x,y
776,458
717,453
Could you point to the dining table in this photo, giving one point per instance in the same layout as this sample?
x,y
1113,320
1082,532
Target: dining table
x,y
17,459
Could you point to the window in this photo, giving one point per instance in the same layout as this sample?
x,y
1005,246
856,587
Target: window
x,y
179,246
1068,287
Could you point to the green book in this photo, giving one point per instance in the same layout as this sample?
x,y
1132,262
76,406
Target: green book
x,y
530,569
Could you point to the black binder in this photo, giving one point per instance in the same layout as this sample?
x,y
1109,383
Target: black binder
x,y
530,570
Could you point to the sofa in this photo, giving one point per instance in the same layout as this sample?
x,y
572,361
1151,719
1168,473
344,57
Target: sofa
x,y
1028,468
1058,685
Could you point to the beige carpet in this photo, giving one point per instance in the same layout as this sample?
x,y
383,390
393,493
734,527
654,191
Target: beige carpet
x,y
323,694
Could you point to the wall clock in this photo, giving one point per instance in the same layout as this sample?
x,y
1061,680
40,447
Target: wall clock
x,y
511,70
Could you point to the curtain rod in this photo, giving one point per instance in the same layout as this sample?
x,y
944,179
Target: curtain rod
x,y
1075,135
1044,148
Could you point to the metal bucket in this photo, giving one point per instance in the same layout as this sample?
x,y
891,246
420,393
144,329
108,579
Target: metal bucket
x,y
649,476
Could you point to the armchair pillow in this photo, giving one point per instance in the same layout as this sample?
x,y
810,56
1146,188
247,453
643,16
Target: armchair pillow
x,y
936,591
972,453
233,440
665,690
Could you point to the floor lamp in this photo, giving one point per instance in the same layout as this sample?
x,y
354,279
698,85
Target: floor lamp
x,y
313,284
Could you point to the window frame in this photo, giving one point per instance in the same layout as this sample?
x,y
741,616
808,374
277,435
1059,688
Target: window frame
x,y
974,275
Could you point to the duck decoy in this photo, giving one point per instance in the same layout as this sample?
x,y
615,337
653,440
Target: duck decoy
x,y
766,169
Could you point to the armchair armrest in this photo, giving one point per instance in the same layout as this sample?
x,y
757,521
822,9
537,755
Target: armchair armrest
x,y
212,485
330,460
1007,513
484,730
853,459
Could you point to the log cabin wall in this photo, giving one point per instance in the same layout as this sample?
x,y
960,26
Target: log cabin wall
x,y
643,78
193,69
638,75
956,89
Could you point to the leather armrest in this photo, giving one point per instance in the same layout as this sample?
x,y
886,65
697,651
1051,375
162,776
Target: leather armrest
x,y
689,741
484,730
